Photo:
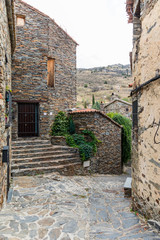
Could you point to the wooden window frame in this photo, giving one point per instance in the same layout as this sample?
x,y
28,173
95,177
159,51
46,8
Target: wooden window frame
x,y
51,72
22,17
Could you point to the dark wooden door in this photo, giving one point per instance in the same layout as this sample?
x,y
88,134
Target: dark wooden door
x,y
27,119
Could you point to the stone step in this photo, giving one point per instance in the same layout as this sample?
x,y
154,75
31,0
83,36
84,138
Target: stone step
x,y
43,158
50,163
43,148
68,169
25,147
30,142
40,154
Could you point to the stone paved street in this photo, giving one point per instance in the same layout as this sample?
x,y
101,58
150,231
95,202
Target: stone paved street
x,y
53,207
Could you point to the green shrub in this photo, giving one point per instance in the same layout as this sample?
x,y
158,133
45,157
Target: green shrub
x,y
85,85
71,126
85,151
93,100
96,106
86,142
60,126
105,82
87,148
79,139
70,141
126,134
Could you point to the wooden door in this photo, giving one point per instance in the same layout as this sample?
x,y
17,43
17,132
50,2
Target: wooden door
x,y
27,119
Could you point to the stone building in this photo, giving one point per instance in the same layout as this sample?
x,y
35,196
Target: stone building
x,y
145,16
44,72
7,45
118,106
108,156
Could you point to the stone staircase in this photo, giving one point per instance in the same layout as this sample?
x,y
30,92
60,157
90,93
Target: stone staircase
x,y
37,156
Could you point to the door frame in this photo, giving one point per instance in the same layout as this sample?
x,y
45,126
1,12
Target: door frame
x,y
38,119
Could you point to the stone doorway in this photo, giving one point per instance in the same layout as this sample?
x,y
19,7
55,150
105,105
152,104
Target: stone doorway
x,y
28,119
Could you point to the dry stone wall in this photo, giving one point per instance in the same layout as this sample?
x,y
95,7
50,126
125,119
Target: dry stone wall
x,y
118,106
39,39
5,80
108,156
146,147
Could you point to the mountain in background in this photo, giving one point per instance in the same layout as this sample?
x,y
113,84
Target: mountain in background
x,y
103,82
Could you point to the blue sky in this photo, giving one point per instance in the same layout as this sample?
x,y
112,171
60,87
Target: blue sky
x,y
99,27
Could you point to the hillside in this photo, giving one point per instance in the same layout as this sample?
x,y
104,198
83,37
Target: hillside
x,y
102,82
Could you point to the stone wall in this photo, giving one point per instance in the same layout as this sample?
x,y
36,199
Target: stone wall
x,y
146,146
5,81
146,49
108,156
119,106
39,39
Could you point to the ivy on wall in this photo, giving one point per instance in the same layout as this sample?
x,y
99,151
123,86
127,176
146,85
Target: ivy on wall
x,y
126,134
86,141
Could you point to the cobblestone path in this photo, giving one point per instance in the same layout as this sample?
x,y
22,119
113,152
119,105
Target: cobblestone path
x,y
71,208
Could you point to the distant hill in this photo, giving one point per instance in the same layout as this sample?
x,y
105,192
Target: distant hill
x,y
102,82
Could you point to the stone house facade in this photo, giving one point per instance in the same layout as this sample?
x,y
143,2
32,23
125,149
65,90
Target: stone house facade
x,y
108,156
7,45
44,72
146,107
118,106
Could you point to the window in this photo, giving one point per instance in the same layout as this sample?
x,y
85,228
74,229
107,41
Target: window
x,y
135,119
20,20
51,71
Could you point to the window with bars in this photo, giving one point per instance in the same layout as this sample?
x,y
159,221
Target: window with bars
x,y
135,118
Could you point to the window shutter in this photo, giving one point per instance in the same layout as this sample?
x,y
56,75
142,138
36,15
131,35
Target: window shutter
x,y
51,71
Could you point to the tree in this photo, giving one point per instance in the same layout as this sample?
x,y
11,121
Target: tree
x,y
93,100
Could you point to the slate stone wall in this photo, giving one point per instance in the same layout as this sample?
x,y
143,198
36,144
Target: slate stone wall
x,y
146,144
5,80
37,40
108,156
119,107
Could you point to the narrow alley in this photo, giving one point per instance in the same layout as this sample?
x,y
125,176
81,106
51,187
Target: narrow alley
x,y
54,207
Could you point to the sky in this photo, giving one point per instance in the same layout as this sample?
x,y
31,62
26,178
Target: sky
x,y
99,27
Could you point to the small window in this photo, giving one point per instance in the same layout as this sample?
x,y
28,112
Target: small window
x,y
135,119
126,109
20,20
51,72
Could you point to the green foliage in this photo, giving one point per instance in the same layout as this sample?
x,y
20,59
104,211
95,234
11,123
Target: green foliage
x,y
60,126
126,134
126,99
71,126
93,140
85,104
96,106
85,151
105,82
87,148
85,85
93,100
86,142
70,141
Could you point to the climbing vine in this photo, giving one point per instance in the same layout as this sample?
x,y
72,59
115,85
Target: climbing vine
x,y
86,141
